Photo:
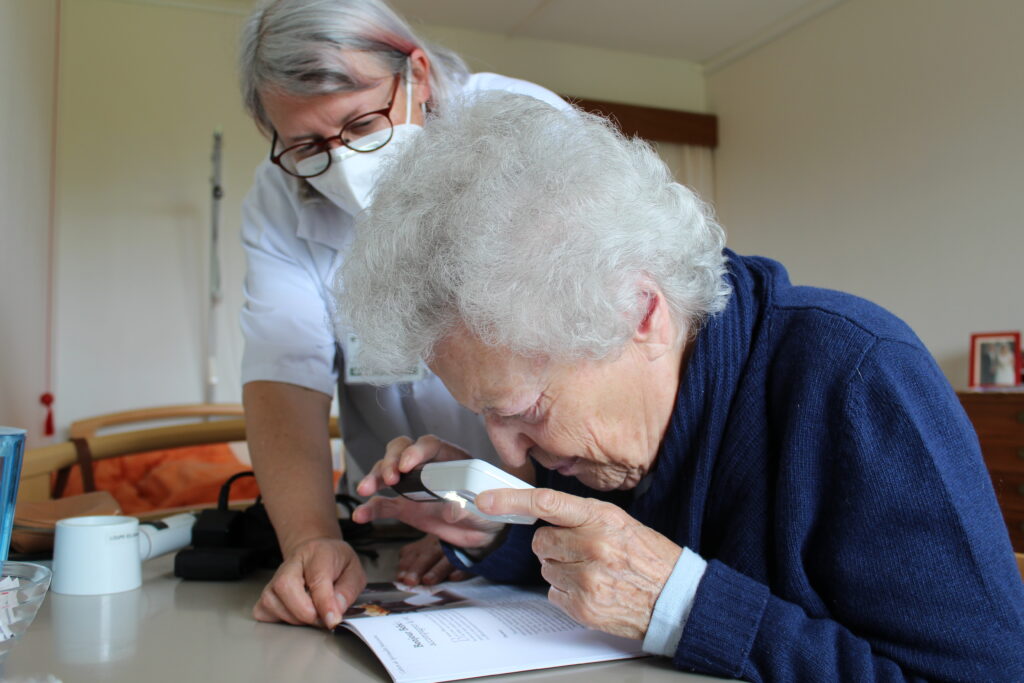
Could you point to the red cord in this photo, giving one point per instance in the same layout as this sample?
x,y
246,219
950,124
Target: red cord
x,y
47,397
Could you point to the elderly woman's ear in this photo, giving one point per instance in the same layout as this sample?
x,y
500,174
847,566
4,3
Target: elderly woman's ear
x,y
656,333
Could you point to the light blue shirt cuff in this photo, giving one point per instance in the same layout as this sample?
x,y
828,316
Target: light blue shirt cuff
x,y
674,604
461,555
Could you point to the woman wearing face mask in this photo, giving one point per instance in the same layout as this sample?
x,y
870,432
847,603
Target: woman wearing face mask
x,y
336,86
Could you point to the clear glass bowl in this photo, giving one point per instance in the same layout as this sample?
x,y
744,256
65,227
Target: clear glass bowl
x,y
18,606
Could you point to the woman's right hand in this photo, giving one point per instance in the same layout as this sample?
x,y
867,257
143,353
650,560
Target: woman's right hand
x,y
448,521
403,455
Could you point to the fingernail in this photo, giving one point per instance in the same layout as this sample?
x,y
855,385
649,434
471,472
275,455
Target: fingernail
x,y
484,500
341,601
332,620
411,578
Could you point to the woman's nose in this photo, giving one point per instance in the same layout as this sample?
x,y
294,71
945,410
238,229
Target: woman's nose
x,y
333,143
510,443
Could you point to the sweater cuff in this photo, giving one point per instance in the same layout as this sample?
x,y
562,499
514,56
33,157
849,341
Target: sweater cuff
x,y
674,604
723,622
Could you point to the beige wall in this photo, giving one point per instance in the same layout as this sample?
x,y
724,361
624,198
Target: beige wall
x,y
143,89
143,85
878,149
27,48
588,72
875,149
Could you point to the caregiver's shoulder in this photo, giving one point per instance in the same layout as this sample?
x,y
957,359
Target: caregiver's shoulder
x,y
486,82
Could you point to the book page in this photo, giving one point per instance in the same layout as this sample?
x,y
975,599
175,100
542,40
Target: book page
x,y
473,628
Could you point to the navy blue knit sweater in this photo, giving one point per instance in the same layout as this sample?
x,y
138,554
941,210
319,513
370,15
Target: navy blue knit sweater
x,y
821,463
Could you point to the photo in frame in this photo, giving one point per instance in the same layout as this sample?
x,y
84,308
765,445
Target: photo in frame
x,y
995,359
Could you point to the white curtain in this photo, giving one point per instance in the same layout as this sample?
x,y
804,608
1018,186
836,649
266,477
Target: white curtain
x,y
692,166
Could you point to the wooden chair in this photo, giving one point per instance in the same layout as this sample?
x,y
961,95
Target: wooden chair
x,y
208,424
87,428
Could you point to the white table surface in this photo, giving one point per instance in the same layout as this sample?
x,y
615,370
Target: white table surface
x,y
174,630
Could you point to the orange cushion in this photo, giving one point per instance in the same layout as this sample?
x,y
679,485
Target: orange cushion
x,y
175,477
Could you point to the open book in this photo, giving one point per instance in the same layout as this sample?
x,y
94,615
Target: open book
x,y
473,628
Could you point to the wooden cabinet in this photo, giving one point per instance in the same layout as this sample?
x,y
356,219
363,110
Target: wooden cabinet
x,y
998,417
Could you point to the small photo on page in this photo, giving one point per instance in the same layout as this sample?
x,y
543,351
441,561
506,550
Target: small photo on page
x,y
380,599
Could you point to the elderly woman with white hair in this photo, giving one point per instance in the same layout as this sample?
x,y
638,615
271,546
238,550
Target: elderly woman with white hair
x,y
758,480
337,86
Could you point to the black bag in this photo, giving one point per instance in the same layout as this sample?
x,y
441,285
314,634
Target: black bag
x,y
228,544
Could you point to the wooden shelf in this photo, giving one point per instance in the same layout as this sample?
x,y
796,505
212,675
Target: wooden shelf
x,y
998,417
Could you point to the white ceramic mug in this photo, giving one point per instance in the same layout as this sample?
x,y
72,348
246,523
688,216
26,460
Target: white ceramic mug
x,y
96,555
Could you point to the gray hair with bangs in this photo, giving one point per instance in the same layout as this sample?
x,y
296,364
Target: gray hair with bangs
x,y
301,47
539,230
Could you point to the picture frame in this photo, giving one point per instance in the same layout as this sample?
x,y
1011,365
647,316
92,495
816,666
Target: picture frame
x,y
995,359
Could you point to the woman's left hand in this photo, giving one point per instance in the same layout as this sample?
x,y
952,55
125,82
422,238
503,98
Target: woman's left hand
x,y
424,561
606,570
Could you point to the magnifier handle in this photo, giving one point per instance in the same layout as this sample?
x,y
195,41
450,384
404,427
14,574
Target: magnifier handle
x,y
165,535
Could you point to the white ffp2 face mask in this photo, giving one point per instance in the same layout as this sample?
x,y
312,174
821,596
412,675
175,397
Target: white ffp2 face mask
x,y
352,176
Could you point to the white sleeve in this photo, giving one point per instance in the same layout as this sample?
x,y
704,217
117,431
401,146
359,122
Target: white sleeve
x,y
483,81
285,321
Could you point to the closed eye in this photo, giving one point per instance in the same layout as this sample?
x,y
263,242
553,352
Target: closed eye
x,y
304,148
531,415
359,125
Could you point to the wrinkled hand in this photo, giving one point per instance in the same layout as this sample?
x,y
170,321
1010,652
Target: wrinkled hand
x,y
447,521
606,569
403,455
314,586
423,560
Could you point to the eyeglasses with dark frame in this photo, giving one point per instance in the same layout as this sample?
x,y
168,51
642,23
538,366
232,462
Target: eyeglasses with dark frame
x,y
373,129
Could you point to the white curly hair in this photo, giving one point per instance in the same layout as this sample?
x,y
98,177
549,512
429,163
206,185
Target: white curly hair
x,y
537,229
